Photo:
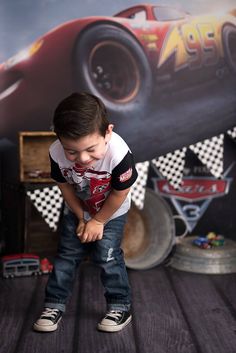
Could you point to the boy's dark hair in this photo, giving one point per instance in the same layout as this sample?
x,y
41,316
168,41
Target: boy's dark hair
x,y
79,115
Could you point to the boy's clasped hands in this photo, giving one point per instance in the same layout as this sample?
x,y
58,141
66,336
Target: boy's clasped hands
x,y
89,231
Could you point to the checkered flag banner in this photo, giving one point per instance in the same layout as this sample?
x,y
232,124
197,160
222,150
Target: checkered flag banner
x,y
171,166
211,152
139,188
48,202
232,133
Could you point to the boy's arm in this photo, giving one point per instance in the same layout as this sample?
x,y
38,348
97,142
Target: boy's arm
x,y
111,205
124,175
72,200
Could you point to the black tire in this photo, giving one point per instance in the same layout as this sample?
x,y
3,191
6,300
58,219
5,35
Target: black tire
x,y
111,64
229,43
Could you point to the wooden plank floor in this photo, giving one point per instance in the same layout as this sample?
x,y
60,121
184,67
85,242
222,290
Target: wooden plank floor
x,y
173,312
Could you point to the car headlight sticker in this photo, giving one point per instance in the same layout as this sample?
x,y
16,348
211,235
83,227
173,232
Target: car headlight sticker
x,y
24,54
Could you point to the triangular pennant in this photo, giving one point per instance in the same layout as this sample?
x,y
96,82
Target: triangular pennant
x,y
48,201
211,153
232,133
183,208
139,188
171,166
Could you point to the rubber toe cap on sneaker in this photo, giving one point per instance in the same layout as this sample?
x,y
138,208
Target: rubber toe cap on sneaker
x,y
44,325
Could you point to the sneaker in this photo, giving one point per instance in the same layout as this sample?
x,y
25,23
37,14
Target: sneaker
x,y
115,320
48,320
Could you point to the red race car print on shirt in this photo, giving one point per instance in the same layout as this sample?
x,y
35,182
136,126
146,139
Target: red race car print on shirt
x,y
91,185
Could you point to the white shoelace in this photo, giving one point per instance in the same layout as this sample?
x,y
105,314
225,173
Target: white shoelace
x,y
50,313
116,314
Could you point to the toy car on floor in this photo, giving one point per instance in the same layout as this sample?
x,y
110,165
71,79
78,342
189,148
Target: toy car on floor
x,y
20,265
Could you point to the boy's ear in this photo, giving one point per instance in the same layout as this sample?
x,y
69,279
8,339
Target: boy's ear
x,y
110,128
109,132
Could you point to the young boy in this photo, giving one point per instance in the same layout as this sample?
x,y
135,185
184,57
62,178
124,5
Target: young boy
x,y
94,169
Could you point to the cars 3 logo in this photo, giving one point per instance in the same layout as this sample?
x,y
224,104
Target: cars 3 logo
x,y
194,196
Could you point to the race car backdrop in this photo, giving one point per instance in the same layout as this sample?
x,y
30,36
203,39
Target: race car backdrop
x,y
167,74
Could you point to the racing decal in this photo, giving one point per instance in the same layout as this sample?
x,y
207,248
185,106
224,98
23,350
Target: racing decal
x,y
77,174
200,44
150,40
193,44
138,24
95,203
194,196
149,37
126,175
91,186
152,47
173,45
98,186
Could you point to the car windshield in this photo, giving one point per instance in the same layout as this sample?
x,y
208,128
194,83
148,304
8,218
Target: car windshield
x,y
168,14
140,15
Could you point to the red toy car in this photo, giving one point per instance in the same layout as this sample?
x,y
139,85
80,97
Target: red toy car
x,y
45,266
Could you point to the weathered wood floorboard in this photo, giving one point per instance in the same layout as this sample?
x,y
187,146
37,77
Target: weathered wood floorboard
x,y
209,318
173,312
15,301
158,321
91,309
226,285
60,341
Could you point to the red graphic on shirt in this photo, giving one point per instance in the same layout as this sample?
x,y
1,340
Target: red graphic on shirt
x,y
65,172
98,190
93,186
94,204
98,186
79,170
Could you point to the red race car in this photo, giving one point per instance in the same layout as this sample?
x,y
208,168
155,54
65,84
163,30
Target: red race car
x,y
137,55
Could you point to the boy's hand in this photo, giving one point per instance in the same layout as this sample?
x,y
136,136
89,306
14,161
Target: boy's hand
x,y
93,231
80,228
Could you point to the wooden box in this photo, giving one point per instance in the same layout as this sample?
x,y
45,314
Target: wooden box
x,y
34,156
23,227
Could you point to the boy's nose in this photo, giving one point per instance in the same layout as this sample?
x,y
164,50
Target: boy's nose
x,y
83,157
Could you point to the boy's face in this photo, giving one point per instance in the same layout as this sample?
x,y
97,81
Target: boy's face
x,y
87,150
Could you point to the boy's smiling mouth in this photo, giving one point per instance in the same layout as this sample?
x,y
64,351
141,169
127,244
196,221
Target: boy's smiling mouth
x,y
87,164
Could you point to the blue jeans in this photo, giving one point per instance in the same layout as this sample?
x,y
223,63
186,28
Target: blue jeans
x,y
105,252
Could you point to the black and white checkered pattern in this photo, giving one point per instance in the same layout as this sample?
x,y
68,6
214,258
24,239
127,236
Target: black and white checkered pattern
x,y
48,201
232,133
139,187
210,152
171,166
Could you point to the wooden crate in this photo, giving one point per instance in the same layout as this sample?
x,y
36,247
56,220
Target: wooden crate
x,y
34,157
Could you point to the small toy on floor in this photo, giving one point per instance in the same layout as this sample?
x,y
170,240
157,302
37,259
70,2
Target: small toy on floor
x,y
20,265
209,241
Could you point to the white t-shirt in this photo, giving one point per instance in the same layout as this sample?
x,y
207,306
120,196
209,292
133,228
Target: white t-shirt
x,y
92,185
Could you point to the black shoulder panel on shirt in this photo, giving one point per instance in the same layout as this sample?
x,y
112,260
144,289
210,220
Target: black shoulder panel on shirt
x,y
56,172
125,173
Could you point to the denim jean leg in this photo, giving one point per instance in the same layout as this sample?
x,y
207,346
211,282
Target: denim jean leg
x,y
70,253
109,256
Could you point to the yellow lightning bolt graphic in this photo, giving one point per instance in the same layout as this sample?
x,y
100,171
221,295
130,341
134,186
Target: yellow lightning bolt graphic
x,y
173,45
